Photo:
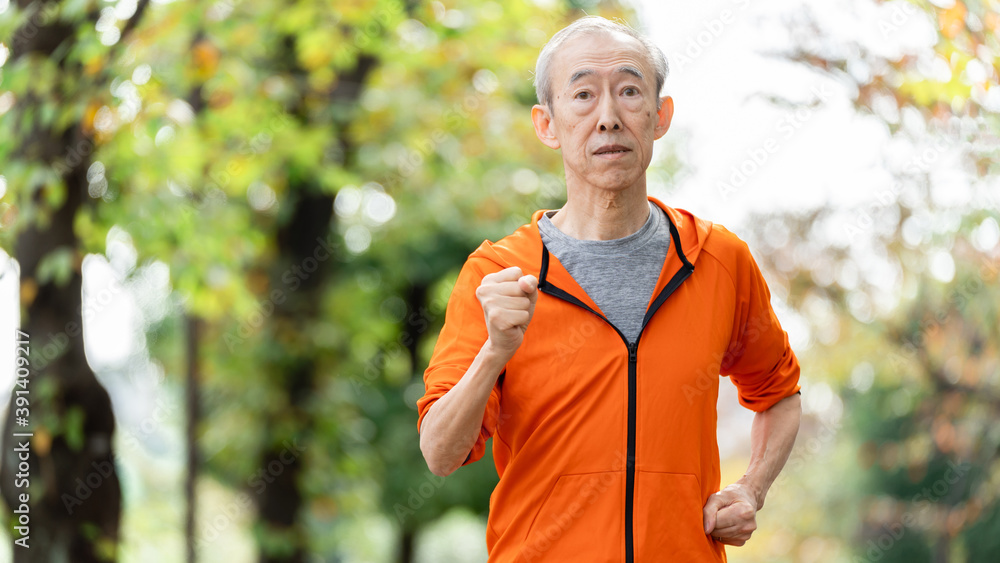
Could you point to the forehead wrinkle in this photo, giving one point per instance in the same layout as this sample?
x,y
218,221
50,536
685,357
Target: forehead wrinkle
x,y
624,69
590,64
623,52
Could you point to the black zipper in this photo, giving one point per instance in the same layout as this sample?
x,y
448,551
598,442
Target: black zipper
x,y
633,348
633,357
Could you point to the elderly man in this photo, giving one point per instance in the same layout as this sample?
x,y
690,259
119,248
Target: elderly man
x,y
589,343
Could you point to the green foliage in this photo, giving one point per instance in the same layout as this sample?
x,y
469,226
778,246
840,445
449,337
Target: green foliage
x,y
56,266
211,121
72,429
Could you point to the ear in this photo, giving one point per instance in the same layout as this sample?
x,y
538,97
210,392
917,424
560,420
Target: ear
x,y
542,118
665,114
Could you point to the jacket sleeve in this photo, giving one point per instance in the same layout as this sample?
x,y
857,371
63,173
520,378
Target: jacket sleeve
x,y
462,336
759,360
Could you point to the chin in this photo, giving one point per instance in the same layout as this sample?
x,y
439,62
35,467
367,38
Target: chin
x,y
617,183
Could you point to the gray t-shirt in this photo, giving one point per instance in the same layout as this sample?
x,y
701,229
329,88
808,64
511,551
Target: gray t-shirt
x,y
619,275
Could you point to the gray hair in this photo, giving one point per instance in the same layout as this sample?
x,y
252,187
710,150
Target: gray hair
x,y
592,24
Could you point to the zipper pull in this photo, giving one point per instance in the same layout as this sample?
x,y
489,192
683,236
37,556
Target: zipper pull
x,y
633,347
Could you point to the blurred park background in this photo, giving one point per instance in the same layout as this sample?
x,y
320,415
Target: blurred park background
x,y
255,211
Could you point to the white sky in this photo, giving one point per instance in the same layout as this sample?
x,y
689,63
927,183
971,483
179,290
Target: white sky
x,y
719,53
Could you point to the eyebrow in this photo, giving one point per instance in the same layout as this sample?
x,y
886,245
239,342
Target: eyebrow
x,y
631,70
624,68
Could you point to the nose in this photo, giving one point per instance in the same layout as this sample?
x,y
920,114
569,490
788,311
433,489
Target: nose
x,y
609,120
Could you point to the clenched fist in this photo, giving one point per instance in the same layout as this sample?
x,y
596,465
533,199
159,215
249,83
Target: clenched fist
x,y
508,300
730,515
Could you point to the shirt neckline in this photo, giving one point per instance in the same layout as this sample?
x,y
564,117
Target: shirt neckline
x,y
629,243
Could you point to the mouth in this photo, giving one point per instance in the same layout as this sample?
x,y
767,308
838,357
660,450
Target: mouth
x,y
612,150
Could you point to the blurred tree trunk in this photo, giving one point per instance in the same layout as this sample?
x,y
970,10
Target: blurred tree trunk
x,y
74,491
193,391
406,553
282,499
195,325
302,243
413,330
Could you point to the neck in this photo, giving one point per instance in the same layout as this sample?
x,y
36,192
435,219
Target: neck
x,y
596,214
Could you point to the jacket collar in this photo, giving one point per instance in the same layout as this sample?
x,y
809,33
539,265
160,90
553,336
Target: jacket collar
x,y
524,248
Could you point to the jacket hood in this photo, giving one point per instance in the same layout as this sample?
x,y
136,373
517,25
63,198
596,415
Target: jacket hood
x,y
523,247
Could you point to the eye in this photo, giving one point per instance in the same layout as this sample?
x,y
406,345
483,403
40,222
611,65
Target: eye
x,y
583,95
630,91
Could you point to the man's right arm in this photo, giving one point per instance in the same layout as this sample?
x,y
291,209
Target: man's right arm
x,y
451,425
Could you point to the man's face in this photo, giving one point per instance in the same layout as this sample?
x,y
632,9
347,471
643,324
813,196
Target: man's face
x,y
603,110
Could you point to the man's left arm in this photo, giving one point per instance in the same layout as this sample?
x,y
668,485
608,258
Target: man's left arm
x,y
730,514
761,363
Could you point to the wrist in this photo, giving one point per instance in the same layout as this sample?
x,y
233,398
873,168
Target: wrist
x,y
754,489
495,356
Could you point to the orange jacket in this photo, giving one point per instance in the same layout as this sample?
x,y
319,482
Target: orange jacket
x,y
606,450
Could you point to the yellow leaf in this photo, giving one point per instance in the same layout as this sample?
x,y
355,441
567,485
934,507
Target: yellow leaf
x,y
29,289
992,21
205,57
93,65
87,123
42,441
952,20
